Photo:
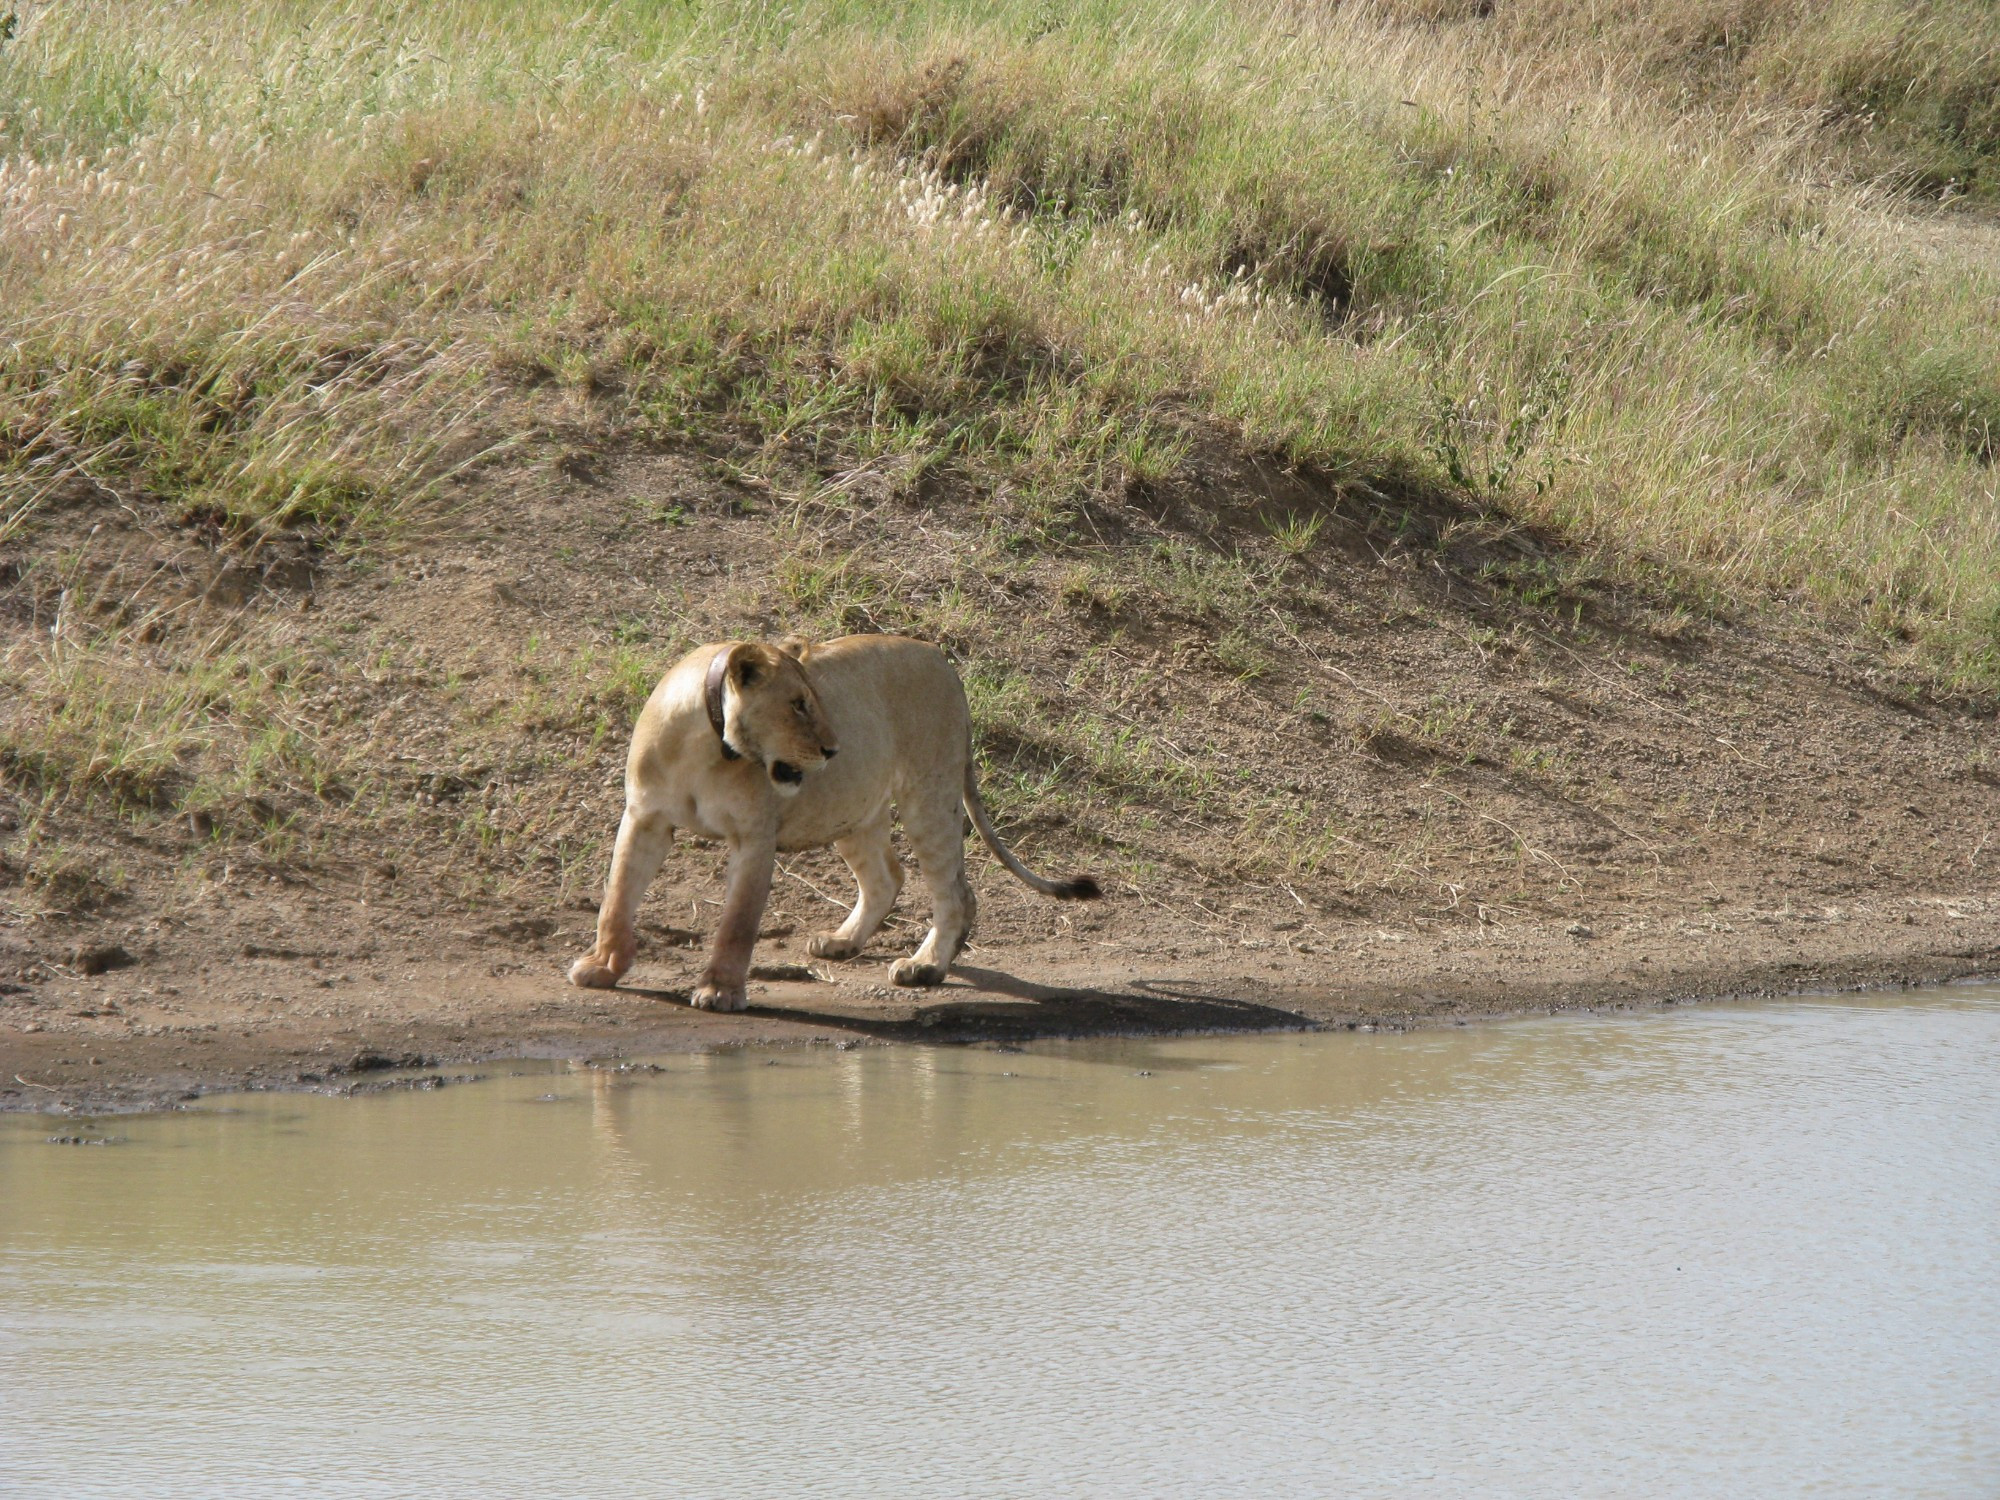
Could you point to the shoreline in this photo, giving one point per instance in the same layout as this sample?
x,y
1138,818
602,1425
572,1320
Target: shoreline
x,y
428,1023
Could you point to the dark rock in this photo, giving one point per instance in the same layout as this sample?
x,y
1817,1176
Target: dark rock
x,y
524,928
294,574
97,958
232,587
785,973
375,1062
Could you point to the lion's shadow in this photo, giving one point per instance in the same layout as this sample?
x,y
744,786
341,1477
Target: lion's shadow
x,y
982,1004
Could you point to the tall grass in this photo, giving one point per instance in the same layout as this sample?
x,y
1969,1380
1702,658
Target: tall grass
x,y
284,265
1909,89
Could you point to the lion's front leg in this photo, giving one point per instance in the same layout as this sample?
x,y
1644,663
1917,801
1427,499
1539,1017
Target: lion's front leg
x,y
750,867
643,841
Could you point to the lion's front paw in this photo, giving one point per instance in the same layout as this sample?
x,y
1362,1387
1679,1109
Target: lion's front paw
x,y
719,997
591,973
913,975
832,945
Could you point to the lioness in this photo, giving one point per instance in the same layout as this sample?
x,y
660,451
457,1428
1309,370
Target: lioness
x,y
738,742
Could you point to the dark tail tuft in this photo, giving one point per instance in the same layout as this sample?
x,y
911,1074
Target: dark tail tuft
x,y
1078,888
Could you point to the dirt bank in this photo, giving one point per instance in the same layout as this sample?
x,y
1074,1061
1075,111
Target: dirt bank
x,y
125,1041
1395,764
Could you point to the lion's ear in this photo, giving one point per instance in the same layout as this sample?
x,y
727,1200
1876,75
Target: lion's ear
x,y
751,663
795,646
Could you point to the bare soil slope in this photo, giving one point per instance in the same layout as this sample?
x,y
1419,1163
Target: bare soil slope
x,y
1338,758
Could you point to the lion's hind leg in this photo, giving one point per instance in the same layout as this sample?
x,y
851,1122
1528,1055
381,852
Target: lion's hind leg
x,y
880,876
939,843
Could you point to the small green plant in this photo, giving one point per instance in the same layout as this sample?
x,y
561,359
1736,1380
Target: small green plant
x,y
1295,534
1089,589
1243,656
657,512
1203,582
832,594
1482,445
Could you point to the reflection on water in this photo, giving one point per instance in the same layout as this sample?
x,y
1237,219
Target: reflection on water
x,y
1715,1252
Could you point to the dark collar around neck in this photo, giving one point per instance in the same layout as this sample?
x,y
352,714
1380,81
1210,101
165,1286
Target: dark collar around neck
x,y
718,672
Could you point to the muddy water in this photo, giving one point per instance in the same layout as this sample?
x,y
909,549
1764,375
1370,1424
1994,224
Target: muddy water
x,y
1741,1251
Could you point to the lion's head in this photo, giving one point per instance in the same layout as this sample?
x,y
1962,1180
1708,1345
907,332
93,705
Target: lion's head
x,y
772,715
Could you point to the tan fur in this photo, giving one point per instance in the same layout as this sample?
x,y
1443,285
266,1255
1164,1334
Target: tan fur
x,y
893,713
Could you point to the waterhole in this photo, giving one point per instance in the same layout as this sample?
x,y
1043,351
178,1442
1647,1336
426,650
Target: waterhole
x,y
1715,1251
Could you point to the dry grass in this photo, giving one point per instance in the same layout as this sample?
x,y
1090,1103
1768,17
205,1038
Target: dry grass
x,y
1635,273
276,271
1908,90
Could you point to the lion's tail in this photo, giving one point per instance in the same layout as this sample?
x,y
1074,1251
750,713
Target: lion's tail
x,y
1076,888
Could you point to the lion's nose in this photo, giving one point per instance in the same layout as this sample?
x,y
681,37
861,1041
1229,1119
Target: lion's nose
x,y
829,751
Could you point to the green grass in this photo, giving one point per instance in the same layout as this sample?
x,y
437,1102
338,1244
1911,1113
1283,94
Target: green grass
x,y
285,268
1655,278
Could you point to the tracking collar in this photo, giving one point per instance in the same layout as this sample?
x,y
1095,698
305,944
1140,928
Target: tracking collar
x,y
718,670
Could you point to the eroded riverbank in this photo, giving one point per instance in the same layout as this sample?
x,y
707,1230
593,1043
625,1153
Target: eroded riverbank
x,y
1430,804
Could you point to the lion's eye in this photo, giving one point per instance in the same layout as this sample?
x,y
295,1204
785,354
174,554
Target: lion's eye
x,y
799,705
